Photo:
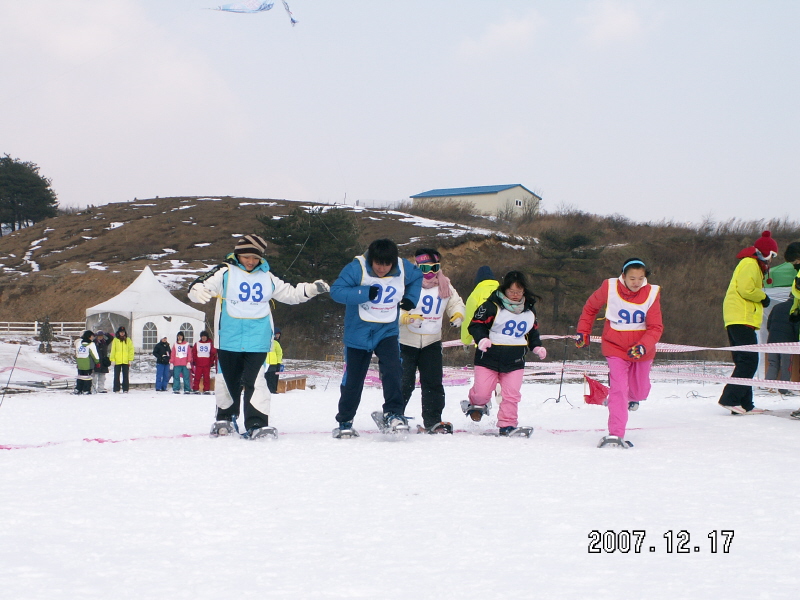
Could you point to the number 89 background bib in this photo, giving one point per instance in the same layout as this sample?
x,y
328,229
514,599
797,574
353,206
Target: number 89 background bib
x,y
509,329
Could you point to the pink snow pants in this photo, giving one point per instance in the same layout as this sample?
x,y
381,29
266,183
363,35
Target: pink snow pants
x,y
510,384
628,382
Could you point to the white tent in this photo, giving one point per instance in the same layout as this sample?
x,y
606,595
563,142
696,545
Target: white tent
x,y
149,312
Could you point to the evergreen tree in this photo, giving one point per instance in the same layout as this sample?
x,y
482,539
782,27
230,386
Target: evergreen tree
x,y
25,196
312,243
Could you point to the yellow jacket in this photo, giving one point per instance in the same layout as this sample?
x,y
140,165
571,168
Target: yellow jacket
x,y
275,356
478,296
742,304
121,352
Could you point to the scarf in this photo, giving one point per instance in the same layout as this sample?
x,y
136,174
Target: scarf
x,y
440,280
510,305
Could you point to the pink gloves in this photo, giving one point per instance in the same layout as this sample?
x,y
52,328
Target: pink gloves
x,y
540,351
484,344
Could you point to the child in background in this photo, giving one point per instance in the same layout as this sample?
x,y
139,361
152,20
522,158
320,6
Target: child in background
x,y
204,356
504,329
162,351
632,328
122,354
274,360
421,339
181,361
86,358
781,330
485,284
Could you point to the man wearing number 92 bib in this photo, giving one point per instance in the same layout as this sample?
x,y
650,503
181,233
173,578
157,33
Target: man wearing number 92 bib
x,y
373,288
243,286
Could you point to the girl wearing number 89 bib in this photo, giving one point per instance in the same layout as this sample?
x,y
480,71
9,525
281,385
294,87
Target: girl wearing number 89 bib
x,y
504,328
632,328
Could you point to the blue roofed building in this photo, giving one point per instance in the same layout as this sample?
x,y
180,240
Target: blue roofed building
x,y
487,199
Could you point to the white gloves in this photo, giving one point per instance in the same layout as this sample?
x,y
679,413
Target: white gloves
x,y
540,351
484,344
200,293
316,288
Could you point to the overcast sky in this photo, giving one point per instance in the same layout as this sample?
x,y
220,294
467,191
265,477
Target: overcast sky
x,y
649,109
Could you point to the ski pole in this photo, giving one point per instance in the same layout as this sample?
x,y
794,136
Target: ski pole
x,y
563,365
9,376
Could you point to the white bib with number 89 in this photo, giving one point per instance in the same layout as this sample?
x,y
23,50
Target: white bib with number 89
x,y
509,329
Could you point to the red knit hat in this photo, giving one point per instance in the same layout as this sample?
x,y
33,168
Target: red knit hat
x,y
766,245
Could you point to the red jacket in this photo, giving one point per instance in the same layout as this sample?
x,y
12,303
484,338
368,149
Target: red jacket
x,y
204,361
617,343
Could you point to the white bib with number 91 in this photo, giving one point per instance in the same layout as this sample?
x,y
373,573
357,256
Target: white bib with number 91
x,y
509,329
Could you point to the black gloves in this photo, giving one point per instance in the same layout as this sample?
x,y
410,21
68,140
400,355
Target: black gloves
x,y
406,304
373,292
794,317
765,302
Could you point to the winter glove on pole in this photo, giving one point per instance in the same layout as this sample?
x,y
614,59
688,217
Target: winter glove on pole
x,y
581,340
636,352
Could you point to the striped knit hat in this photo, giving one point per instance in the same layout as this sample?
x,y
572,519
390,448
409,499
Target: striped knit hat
x,y
251,244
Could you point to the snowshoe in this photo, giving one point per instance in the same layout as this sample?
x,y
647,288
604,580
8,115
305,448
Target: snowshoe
x,y
614,441
345,431
632,406
260,433
795,414
441,427
736,410
475,411
390,423
515,431
223,428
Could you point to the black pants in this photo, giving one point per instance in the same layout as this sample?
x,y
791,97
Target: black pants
x,y
746,365
357,365
83,385
428,361
239,370
121,369
272,378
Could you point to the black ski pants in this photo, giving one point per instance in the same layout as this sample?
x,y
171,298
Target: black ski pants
x,y
745,366
121,370
272,376
356,367
428,361
239,370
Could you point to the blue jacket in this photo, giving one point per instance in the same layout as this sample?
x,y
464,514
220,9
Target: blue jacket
x,y
347,290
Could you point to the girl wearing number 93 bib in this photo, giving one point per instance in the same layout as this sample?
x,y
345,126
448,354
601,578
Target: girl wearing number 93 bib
x,y
632,328
504,328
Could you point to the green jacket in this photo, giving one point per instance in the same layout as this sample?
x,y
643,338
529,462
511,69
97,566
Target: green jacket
x,y
86,355
742,304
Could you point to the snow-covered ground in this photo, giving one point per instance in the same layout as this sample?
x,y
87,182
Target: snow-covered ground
x,y
125,496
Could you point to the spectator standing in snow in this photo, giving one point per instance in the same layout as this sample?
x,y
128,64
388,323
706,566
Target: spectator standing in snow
x,y
181,361
781,330
204,356
743,311
243,329
86,358
374,287
162,351
121,356
632,328
504,328
421,338
274,363
101,342
792,255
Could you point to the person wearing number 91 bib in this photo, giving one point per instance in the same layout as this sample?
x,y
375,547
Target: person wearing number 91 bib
x,y
373,288
504,329
243,287
632,328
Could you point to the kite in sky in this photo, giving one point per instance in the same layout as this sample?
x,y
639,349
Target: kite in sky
x,y
255,6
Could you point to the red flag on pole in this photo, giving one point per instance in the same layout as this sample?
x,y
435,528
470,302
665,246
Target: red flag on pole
x,y
597,391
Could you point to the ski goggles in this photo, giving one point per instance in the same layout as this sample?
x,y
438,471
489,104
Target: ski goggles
x,y
430,268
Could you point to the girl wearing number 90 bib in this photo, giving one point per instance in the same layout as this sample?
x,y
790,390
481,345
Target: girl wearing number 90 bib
x,y
632,328
504,328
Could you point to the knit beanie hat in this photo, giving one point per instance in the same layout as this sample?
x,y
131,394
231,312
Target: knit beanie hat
x,y
251,244
484,273
766,245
